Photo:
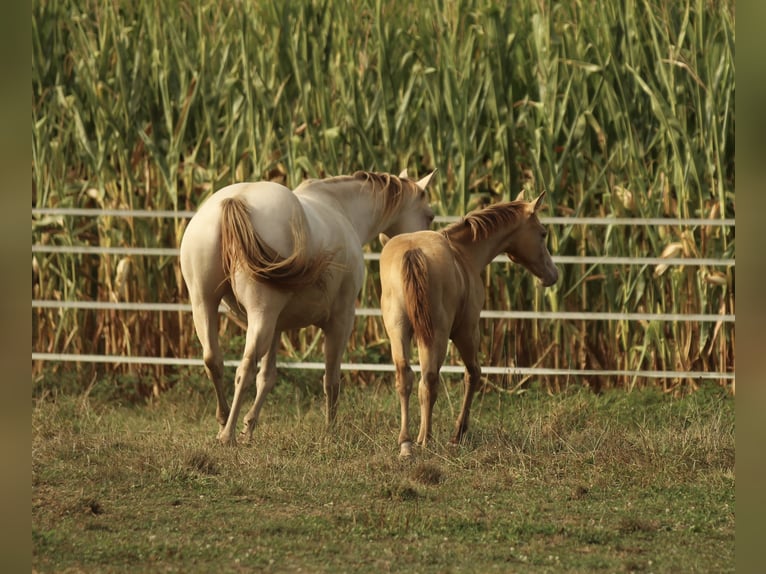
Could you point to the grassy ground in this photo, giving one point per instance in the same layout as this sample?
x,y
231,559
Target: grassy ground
x,y
576,482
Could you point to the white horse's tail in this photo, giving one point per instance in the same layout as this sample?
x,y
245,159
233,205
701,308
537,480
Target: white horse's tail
x,y
416,298
242,247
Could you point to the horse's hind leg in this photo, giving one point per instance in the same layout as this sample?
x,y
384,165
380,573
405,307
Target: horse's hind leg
x,y
260,331
468,346
264,383
205,315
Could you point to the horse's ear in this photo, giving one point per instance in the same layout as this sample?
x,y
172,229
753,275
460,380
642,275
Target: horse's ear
x,y
424,182
520,196
383,238
403,174
539,202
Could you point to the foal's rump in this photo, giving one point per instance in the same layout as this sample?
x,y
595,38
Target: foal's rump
x,y
412,280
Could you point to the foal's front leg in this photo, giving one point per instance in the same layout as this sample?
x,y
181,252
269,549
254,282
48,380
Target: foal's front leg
x,y
468,346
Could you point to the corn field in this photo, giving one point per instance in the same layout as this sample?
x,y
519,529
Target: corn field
x,y
616,108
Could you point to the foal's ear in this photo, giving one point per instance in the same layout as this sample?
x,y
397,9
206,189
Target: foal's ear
x,y
403,174
520,196
383,238
424,182
539,202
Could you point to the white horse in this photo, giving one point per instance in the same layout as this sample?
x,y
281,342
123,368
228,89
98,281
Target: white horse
x,y
284,259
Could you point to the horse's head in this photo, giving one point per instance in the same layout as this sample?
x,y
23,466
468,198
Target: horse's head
x,y
529,245
415,213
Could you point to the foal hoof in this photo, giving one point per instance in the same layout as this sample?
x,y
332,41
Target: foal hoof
x,y
405,449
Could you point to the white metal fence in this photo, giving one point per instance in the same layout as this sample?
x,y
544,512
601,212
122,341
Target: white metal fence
x,y
486,314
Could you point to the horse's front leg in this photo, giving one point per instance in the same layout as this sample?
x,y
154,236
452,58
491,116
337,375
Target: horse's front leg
x,y
336,334
264,383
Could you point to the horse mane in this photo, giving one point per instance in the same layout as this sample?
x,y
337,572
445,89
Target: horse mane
x,y
393,190
482,223
241,246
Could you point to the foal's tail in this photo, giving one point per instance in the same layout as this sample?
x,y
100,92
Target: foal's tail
x,y
241,246
416,298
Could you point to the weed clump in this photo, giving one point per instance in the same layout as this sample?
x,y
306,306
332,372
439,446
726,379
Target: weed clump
x,y
427,474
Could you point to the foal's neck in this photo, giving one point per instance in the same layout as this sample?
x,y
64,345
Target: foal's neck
x,y
480,252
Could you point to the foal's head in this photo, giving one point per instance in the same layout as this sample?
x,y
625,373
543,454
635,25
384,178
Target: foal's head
x,y
528,246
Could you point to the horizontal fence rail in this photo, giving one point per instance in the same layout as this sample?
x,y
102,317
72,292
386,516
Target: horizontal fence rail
x,y
374,312
558,220
561,259
386,368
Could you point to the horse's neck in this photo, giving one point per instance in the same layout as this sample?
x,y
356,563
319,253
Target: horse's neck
x,y
358,205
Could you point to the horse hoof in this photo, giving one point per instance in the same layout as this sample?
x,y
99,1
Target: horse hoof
x,y
245,438
227,440
405,449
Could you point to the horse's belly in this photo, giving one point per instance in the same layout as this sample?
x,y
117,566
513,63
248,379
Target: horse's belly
x,y
305,308
320,305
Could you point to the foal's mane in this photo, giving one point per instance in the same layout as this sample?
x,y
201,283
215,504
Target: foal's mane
x,y
483,222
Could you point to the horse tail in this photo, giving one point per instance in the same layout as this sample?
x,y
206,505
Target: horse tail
x,y
416,296
242,247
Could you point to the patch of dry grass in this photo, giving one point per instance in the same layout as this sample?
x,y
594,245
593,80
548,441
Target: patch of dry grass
x,y
564,483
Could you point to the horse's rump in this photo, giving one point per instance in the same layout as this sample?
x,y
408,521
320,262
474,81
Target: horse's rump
x,y
416,297
241,246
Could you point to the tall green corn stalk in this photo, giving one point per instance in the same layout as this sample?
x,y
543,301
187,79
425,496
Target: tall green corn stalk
x,y
615,108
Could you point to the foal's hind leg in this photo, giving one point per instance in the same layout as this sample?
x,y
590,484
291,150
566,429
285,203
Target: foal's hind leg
x,y
431,360
400,353
468,346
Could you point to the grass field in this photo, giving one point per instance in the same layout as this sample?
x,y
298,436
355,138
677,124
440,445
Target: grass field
x,y
572,482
